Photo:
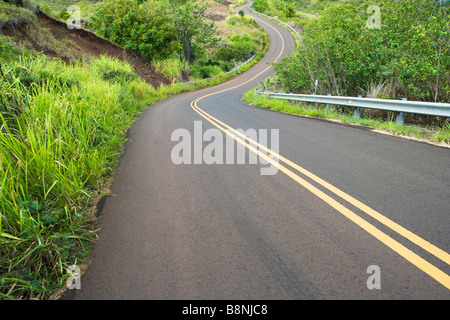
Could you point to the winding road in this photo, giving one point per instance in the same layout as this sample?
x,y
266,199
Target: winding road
x,y
348,213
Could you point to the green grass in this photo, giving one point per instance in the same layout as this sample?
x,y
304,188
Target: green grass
x,y
62,129
171,67
432,134
15,16
57,7
203,83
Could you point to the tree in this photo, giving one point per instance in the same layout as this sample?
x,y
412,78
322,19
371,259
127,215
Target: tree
x,y
194,33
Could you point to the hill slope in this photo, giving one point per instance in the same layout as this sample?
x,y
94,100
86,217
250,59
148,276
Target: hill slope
x,y
45,34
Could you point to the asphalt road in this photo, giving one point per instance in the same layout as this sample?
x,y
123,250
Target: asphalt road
x,y
225,231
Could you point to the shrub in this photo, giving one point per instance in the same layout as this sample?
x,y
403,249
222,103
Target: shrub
x,y
145,28
228,53
261,6
205,72
289,11
410,49
245,44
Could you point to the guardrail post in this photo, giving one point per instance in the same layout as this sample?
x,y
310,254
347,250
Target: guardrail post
x,y
357,112
401,116
327,106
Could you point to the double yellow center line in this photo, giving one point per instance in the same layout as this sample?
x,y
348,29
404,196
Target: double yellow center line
x,y
263,152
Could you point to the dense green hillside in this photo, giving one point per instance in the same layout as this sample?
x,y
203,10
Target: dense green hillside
x,y
378,49
180,34
371,48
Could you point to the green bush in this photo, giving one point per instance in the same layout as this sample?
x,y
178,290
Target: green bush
x,y
206,71
289,10
408,54
143,27
62,129
261,6
241,48
243,20
64,15
228,54
245,45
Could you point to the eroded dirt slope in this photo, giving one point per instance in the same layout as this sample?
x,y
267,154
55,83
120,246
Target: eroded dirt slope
x,y
57,40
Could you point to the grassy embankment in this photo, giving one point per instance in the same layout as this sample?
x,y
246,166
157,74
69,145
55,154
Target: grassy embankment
x,y
63,127
62,132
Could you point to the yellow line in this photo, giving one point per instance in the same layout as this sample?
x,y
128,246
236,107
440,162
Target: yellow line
x,y
416,260
441,254
406,253
256,76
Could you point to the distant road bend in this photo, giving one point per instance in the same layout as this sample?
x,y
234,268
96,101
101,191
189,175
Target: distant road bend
x,y
349,214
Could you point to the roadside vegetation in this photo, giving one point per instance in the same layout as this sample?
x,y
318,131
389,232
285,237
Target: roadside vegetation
x,y
400,51
63,124
60,8
63,118
62,131
184,39
296,13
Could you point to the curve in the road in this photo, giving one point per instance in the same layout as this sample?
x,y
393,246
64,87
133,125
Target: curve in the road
x,y
189,231
409,255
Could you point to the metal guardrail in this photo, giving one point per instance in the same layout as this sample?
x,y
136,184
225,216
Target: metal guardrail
x,y
400,106
277,20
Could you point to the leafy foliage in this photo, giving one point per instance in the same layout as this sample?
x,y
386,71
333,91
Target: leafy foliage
x,y
143,27
194,32
162,30
261,5
407,52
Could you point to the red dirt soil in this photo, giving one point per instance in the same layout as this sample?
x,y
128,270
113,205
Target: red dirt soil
x,y
88,45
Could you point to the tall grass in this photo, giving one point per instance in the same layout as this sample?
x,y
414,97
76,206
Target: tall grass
x,y
172,68
62,129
